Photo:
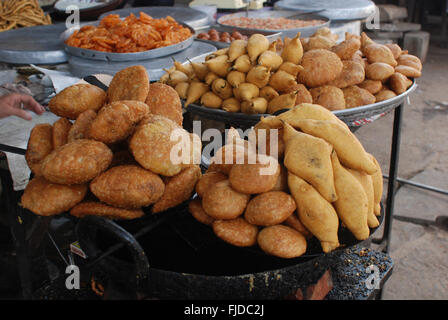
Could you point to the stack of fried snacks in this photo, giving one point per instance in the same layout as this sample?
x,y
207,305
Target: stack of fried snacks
x,y
21,13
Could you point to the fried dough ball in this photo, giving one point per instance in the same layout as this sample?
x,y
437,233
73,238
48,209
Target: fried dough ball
x,y
74,100
352,74
178,189
282,241
379,53
47,199
116,121
40,145
270,208
128,186
347,48
81,128
237,232
91,208
76,162
196,210
131,83
373,86
384,95
282,180
250,178
329,97
379,71
294,222
355,97
207,180
60,132
222,202
164,100
319,67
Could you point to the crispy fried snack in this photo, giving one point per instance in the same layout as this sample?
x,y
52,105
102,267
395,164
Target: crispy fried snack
x,y
316,213
408,71
373,86
237,232
410,61
366,181
282,241
74,100
40,145
352,73
347,48
178,189
320,67
269,208
266,125
399,83
384,95
355,97
195,208
131,83
116,121
91,208
164,100
207,180
330,97
250,179
15,14
128,186
47,199
379,53
303,95
318,42
377,180
282,180
294,222
223,202
379,71
81,128
395,49
76,162
60,132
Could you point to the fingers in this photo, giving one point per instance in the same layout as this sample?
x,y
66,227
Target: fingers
x,y
30,104
20,113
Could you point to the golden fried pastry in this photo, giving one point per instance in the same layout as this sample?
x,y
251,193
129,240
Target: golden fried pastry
x,y
128,186
352,74
284,101
131,83
74,100
178,189
272,140
303,95
116,121
316,213
207,180
366,181
47,199
282,241
373,86
269,208
237,232
305,111
222,202
357,57
379,53
40,145
408,71
309,158
377,180
347,48
352,204
294,222
253,178
318,42
395,49
320,66
60,132
384,95
91,208
355,97
379,71
399,83
76,162
330,97
326,32
365,40
81,128
164,100
195,208
410,61
282,180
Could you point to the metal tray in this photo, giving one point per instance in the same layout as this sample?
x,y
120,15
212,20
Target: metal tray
x,y
134,56
305,31
272,36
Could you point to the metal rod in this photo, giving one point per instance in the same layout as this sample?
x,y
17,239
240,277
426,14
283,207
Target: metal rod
x,y
6,148
419,185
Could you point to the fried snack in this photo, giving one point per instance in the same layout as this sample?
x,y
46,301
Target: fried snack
x,y
257,105
373,86
365,40
350,151
40,145
399,83
410,61
306,111
330,97
151,145
211,100
74,100
309,158
259,76
219,65
379,53
293,50
15,14
291,68
60,132
384,95
294,222
122,157
254,178
302,93
320,66
326,32
352,204
91,208
379,71
355,97
270,59
246,91
282,241
408,71
366,181
222,202
231,105
164,100
284,101
270,208
318,42
242,64
316,213
131,34
377,180
236,49
131,83
273,147
81,127
128,186
347,48
234,78
178,189
180,88
237,232
352,74
227,156
282,81
395,49
195,208
76,162
195,91
282,180
47,199
357,57
256,45
116,121
222,88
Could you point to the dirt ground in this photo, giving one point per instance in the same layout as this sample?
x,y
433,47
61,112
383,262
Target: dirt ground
x,y
420,252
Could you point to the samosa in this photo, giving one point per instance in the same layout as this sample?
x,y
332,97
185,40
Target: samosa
x,y
367,184
377,179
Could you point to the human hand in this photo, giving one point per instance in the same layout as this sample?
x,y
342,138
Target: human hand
x,y
11,105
